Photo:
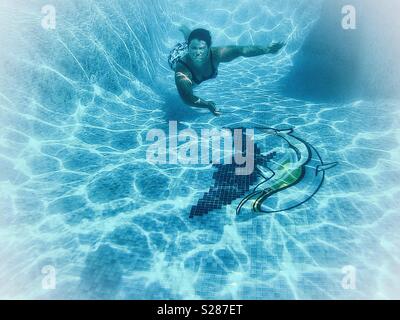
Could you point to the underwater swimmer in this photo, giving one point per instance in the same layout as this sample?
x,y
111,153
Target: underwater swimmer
x,y
195,61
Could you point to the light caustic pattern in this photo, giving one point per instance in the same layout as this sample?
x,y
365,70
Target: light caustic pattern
x,y
78,194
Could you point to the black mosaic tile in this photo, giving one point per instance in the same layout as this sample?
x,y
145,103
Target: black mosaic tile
x,y
228,186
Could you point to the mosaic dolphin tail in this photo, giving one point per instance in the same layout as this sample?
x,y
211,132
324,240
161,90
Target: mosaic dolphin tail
x,y
300,167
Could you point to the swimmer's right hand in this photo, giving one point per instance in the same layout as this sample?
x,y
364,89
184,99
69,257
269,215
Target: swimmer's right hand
x,y
213,108
275,47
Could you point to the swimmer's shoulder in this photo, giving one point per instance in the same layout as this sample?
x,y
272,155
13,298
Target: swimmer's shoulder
x,y
182,72
181,64
216,54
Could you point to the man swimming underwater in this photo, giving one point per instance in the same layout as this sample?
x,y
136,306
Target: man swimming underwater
x,y
195,61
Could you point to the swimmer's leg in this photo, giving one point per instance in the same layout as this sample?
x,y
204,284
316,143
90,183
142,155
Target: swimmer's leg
x,y
186,31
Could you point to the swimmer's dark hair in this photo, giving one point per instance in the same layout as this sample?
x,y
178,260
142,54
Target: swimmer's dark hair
x,y
200,34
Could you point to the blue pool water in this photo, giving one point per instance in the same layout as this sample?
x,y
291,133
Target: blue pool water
x,y
78,195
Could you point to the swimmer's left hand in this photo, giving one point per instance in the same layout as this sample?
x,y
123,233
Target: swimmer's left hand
x,y
275,47
216,112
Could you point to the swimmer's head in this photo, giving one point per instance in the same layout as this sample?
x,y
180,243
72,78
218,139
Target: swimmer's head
x,y
200,34
199,45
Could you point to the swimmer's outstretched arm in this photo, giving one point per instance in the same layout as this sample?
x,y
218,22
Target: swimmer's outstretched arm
x,y
229,53
184,85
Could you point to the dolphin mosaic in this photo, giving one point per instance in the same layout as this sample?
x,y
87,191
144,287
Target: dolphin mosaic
x,y
298,165
288,172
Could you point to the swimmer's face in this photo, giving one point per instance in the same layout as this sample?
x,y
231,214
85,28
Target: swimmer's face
x,y
198,51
